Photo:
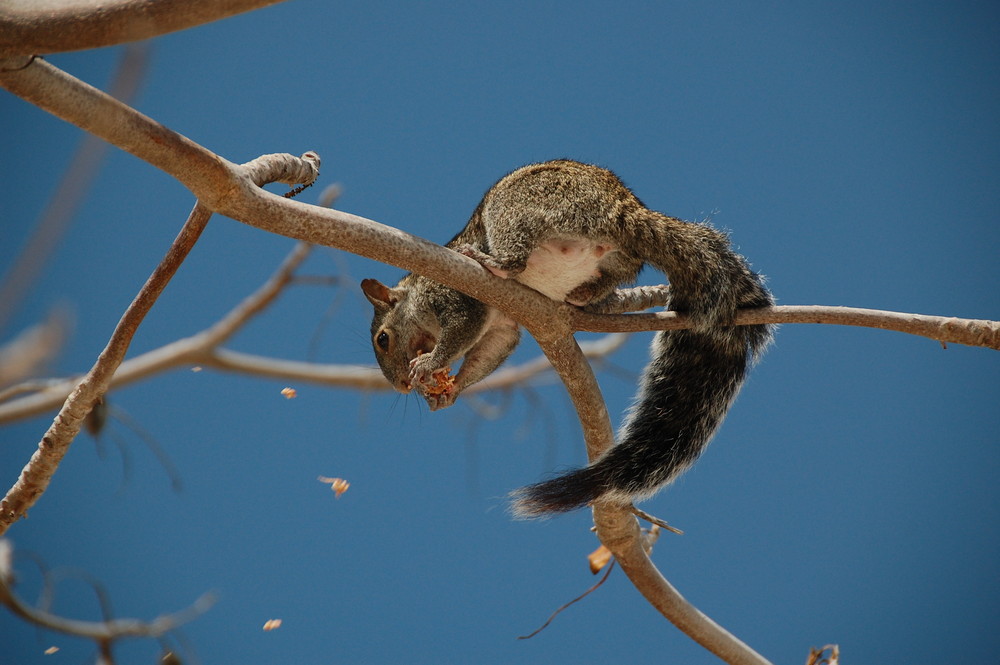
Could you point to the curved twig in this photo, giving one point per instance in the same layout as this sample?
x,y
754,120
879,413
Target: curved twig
x,y
103,632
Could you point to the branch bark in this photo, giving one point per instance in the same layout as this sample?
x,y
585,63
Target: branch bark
x,y
54,26
35,476
945,329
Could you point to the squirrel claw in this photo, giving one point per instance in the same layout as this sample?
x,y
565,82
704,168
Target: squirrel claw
x,y
422,371
436,402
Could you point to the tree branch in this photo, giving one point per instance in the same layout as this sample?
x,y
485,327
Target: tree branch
x,y
945,329
53,26
103,632
222,187
35,476
616,527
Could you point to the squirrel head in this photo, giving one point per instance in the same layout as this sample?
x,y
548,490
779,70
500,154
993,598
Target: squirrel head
x,y
399,332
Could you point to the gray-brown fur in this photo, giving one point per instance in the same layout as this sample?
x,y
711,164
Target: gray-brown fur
x,y
564,213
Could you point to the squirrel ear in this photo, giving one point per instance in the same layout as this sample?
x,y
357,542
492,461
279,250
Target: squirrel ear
x,y
378,294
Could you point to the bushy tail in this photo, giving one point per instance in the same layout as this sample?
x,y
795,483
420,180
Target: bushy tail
x,y
690,383
686,391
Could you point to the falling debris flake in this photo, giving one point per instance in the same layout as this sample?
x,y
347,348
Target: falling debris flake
x,y
289,393
196,368
50,651
338,485
598,559
272,624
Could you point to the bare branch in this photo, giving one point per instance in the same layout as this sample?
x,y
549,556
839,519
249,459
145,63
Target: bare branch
x,y
945,329
102,632
35,476
201,349
54,26
618,530
228,189
616,527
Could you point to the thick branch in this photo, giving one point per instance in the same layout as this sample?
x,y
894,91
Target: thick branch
x,y
53,26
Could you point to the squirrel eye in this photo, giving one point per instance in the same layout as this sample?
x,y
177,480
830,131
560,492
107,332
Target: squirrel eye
x,y
382,340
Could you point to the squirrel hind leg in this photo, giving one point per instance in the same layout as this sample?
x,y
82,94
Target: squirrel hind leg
x,y
488,262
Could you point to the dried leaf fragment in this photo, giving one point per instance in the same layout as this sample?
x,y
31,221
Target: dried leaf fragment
x,y
338,485
272,624
598,559
819,657
289,393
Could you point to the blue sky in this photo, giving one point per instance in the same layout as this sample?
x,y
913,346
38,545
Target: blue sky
x,y
851,150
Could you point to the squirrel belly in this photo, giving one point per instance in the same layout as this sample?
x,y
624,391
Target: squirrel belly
x,y
558,266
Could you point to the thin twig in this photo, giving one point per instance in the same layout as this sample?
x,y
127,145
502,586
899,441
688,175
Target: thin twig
x,y
33,348
102,632
563,607
643,515
945,329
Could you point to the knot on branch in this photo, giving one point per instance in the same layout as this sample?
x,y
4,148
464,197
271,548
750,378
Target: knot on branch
x,y
284,168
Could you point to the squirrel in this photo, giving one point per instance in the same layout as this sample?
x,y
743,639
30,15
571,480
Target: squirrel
x,y
575,233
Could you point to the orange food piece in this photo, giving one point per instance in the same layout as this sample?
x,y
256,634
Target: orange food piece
x,y
445,382
338,485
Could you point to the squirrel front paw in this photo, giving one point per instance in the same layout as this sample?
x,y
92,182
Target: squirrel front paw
x,y
439,401
422,371
435,384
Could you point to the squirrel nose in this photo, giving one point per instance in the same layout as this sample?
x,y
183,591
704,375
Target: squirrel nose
x,y
404,386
